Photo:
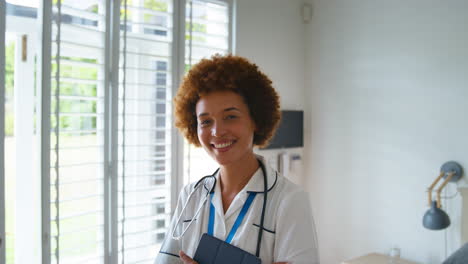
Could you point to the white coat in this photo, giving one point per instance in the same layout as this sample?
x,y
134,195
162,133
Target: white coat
x,y
289,231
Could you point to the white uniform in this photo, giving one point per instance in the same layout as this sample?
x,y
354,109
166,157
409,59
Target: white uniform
x,y
289,231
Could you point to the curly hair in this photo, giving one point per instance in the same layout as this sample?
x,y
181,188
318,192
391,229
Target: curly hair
x,y
228,73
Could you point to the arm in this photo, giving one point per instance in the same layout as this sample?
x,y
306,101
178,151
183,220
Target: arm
x,y
295,239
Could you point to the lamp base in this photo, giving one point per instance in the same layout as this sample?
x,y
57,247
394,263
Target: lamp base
x,y
452,166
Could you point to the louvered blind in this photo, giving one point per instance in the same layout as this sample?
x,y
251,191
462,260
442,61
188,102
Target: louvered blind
x,y
207,32
77,132
207,29
145,128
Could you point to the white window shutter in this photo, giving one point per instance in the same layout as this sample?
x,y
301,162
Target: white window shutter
x,y
145,120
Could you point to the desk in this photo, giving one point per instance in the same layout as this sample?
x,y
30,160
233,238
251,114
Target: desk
x,y
375,258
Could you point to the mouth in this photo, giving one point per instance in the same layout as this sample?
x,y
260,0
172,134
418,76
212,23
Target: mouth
x,y
223,146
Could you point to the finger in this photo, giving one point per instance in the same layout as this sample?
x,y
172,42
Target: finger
x,y
186,259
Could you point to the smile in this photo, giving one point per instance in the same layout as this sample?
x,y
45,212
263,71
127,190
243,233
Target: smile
x,y
223,145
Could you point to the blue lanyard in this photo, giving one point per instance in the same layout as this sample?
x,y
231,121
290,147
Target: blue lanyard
x,y
238,221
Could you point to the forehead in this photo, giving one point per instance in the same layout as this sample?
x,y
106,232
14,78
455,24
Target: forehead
x,y
219,101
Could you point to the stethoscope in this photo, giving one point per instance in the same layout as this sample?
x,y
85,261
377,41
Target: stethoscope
x,y
210,191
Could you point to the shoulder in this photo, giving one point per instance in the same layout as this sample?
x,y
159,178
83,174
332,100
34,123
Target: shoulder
x,y
285,198
278,184
196,189
187,189
288,193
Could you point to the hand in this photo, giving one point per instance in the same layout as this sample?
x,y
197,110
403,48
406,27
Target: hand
x,y
186,259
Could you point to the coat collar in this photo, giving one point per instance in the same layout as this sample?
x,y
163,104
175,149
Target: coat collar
x,y
255,185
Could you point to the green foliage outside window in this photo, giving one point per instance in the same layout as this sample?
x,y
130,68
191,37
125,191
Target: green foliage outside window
x,y
122,12
93,8
155,5
71,105
9,84
69,71
9,67
199,39
148,4
196,27
78,89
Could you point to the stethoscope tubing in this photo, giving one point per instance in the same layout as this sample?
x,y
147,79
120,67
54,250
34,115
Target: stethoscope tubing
x,y
197,185
199,208
262,218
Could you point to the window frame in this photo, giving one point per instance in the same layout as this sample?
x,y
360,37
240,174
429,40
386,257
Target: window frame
x,y
2,131
111,114
111,99
178,50
44,112
179,43
188,155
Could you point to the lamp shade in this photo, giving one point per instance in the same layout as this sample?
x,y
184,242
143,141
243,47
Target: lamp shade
x,y
435,218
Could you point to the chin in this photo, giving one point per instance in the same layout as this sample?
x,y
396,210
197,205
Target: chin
x,y
223,160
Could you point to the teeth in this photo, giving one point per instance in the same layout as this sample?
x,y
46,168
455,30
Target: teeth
x,y
223,145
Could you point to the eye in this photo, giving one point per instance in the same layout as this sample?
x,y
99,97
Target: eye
x,y
204,122
228,117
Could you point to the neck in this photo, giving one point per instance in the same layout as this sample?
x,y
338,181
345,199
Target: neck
x,y
234,177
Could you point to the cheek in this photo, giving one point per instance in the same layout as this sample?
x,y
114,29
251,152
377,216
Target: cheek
x,y
199,135
245,130
202,135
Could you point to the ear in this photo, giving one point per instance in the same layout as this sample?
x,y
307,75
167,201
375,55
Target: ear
x,y
255,128
255,132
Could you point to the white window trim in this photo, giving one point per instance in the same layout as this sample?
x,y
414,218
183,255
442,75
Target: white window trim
x,y
27,195
2,131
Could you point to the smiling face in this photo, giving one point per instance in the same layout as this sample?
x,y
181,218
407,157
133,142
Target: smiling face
x,y
225,128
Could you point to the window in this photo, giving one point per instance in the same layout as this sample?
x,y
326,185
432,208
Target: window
x,y
99,124
22,200
145,138
77,176
207,33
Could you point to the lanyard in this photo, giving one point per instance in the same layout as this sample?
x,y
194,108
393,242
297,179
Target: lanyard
x,y
238,221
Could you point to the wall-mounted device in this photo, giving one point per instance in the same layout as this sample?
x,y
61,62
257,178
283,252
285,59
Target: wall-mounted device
x,y
290,133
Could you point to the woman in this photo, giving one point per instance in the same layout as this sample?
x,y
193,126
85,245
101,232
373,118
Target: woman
x,y
227,106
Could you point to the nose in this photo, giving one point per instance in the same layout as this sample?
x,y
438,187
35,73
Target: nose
x,y
218,129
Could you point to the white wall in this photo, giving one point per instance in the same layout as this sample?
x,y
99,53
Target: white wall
x,y
271,34
387,91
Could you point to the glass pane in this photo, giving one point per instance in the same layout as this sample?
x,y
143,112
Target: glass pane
x,y
22,179
206,34
144,129
10,149
77,138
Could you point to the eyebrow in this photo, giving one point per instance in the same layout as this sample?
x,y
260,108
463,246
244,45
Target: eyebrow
x,y
225,110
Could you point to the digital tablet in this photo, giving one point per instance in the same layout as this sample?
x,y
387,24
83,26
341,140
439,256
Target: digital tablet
x,y
215,251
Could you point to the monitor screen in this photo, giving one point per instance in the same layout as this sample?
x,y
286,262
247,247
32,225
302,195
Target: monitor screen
x,y
290,133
